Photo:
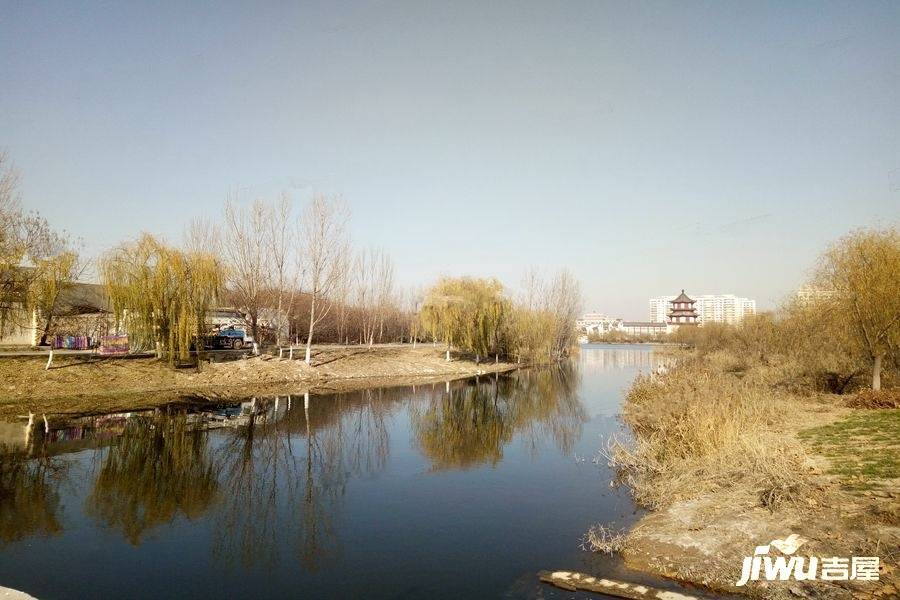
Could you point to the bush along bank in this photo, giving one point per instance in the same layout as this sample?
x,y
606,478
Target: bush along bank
x,y
732,452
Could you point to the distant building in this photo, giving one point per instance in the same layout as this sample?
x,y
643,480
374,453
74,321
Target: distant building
x,y
659,308
80,310
681,311
724,308
711,308
811,295
642,328
598,323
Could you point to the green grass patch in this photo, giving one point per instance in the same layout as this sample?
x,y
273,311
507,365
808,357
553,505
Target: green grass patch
x,y
862,449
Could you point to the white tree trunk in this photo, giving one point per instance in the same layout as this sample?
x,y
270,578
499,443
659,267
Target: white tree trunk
x,y
312,324
876,373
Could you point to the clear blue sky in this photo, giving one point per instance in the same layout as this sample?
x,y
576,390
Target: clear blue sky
x,y
649,147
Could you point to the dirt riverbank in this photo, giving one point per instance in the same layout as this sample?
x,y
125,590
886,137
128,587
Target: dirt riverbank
x,y
78,384
822,466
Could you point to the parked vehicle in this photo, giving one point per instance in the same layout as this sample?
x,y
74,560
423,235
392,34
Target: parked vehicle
x,y
229,337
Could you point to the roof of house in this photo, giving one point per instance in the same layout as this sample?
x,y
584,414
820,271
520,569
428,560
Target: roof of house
x,y
682,298
643,324
82,298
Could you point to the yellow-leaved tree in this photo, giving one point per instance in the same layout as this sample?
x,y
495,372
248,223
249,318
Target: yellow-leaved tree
x,y
162,294
862,273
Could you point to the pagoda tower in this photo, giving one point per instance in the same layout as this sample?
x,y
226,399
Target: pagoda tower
x,y
681,311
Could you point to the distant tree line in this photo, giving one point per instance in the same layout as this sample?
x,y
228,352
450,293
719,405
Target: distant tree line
x,y
844,336
292,274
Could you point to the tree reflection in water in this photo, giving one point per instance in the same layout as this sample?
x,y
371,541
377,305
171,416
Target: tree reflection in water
x,y
472,423
299,464
160,467
273,481
29,495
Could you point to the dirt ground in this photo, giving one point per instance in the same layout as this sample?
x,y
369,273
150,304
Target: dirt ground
x,y
80,384
851,507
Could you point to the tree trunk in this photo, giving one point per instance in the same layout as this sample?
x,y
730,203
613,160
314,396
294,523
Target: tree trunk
x,y
199,346
876,373
46,332
277,321
254,326
312,324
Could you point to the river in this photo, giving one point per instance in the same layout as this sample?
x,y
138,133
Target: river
x,y
461,489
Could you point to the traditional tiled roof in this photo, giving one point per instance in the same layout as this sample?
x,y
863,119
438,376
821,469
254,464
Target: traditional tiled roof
x,y
683,298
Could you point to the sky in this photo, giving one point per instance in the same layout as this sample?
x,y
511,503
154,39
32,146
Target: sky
x,y
645,146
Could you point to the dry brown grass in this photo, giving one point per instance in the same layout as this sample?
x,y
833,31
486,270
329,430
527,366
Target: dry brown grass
x,y
706,427
604,539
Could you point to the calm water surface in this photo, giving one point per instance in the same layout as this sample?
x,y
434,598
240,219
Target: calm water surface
x,y
459,490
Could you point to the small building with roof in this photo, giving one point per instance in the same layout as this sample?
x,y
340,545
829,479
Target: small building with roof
x,y
681,312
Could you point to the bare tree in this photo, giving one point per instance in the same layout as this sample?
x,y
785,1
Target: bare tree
x,y
374,292
412,303
323,244
56,271
385,298
12,247
281,236
36,262
248,257
203,235
565,305
342,294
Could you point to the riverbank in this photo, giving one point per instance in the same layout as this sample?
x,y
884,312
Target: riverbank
x,y
730,454
79,384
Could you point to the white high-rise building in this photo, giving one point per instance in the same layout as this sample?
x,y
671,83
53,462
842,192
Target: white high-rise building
x,y
659,307
711,308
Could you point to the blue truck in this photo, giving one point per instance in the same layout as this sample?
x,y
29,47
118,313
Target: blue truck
x,y
231,337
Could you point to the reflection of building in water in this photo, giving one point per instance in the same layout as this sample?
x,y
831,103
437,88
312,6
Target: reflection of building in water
x,y
614,359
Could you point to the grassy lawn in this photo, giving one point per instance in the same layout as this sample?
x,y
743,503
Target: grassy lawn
x,y
863,449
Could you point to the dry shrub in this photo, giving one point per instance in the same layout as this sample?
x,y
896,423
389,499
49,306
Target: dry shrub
x,y
603,538
872,399
699,429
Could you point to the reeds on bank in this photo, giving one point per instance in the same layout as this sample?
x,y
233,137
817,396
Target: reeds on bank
x,y
706,425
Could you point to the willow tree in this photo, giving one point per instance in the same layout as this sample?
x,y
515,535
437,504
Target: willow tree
x,y
466,312
441,313
55,274
162,294
863,270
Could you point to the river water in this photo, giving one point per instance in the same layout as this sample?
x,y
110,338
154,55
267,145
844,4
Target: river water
x,y
447,490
